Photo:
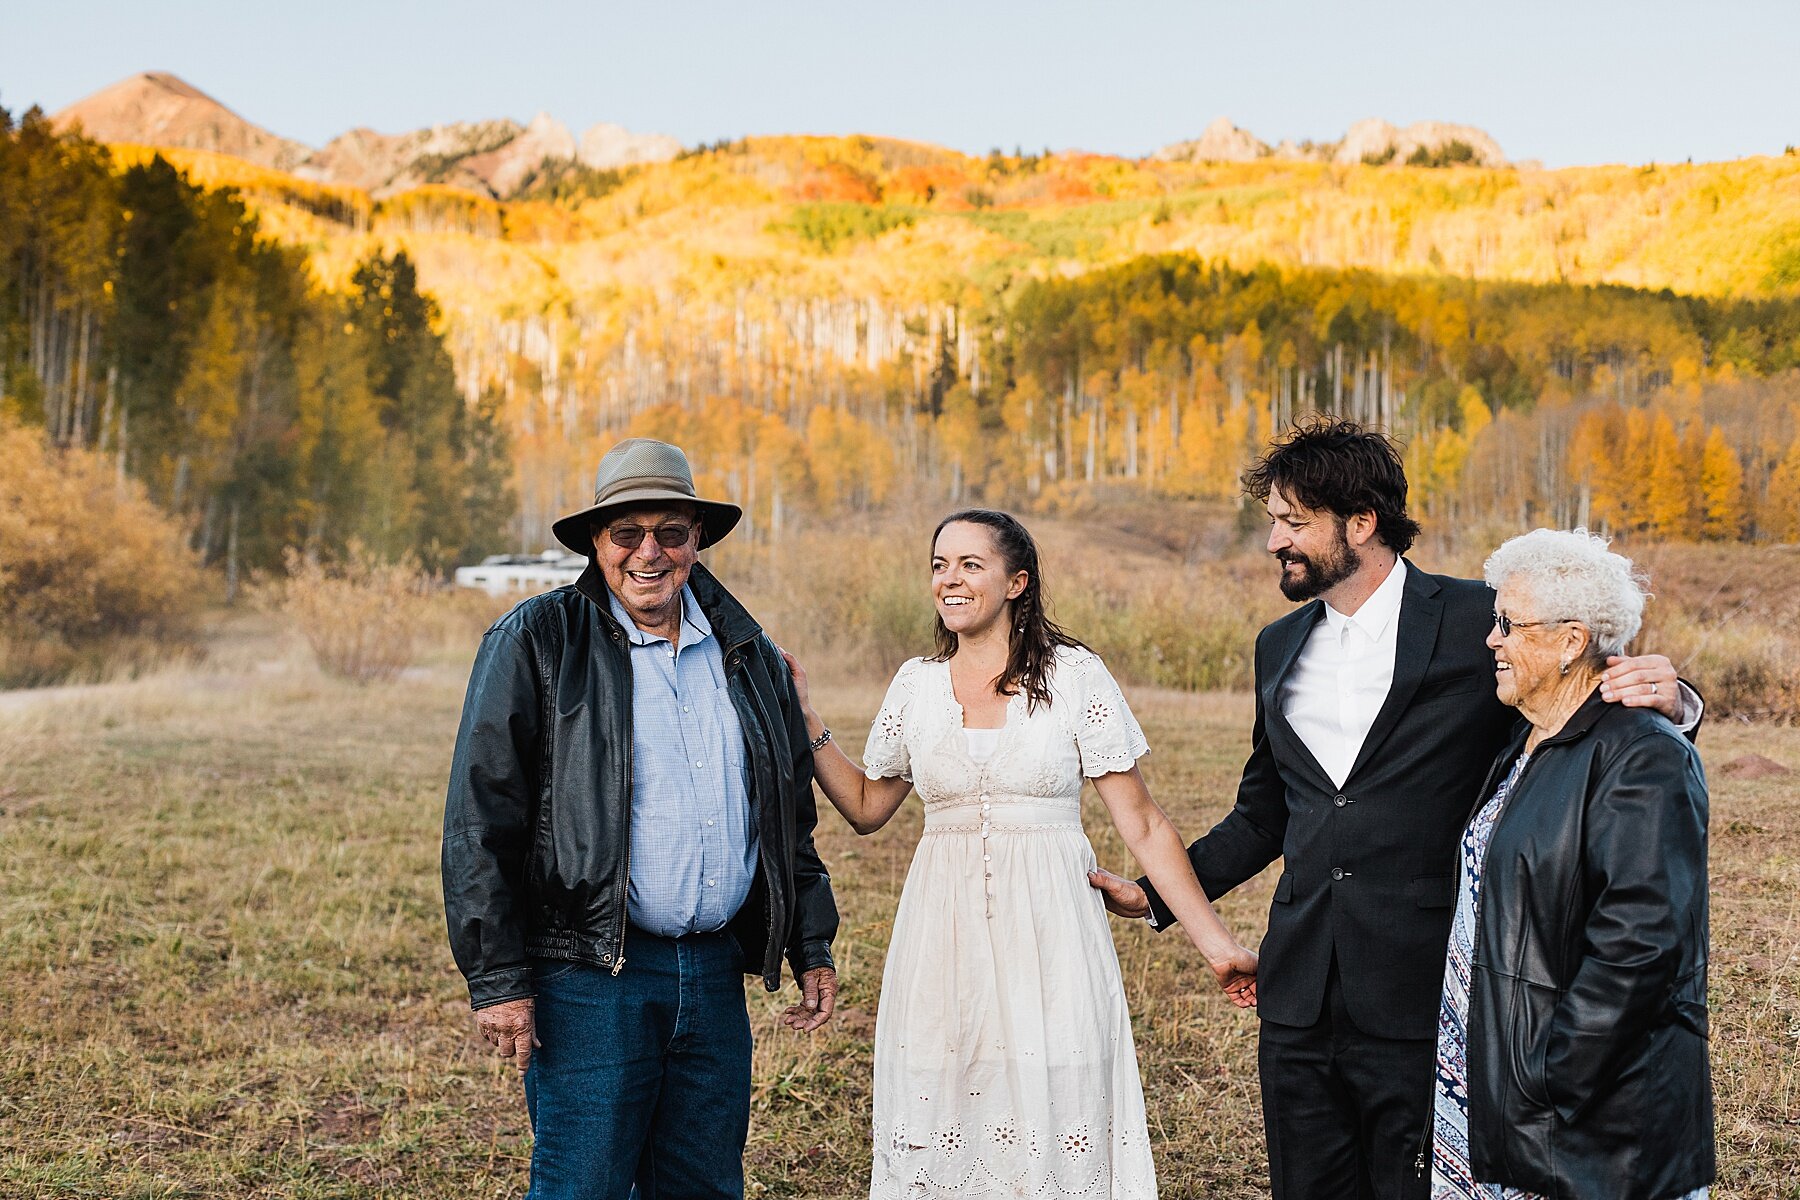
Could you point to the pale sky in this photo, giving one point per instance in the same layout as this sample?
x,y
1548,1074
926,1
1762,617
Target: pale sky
x,y
1577,81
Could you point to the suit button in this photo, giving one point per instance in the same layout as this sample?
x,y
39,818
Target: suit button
x,y
1339,800
1337,872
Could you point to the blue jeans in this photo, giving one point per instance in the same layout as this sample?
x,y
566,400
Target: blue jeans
x,y
644,1076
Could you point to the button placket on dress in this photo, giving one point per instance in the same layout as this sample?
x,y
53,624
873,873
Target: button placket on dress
x,y
984,768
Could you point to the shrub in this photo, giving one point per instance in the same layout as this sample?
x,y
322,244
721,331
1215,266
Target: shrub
x,y
362,617
92,575
831,224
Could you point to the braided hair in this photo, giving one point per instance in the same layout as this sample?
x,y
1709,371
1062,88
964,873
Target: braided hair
x,y
1032,637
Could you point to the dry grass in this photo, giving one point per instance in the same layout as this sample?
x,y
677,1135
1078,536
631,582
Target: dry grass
x,y
223,963
363,617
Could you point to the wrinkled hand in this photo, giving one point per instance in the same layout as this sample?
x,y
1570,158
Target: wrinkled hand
x,y
511,1028
818,997
799,675
1123,897
1237,976
1647,681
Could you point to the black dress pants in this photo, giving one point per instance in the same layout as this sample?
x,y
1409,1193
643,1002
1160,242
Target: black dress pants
x,y
1345,1111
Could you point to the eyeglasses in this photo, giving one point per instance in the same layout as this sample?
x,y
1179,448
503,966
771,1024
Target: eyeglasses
x,y
669,536
1507,624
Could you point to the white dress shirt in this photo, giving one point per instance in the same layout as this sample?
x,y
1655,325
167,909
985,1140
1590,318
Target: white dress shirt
x,y
1342,676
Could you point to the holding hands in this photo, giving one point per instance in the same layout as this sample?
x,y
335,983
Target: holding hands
x,y
1235,969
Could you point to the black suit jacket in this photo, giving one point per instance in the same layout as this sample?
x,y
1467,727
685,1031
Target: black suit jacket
x,y
1369,867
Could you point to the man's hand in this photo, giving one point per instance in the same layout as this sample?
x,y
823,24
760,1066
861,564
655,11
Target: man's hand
x,y
1123,898
1647,681
1237,976
511,1028
818,997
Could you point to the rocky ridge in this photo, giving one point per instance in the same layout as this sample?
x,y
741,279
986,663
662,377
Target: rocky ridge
x,y
494,157
1371,141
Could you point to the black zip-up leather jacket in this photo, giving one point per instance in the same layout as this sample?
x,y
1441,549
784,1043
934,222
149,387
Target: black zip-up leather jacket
x,y
536,857
1588,1072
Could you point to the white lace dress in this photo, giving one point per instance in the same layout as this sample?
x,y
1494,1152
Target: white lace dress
x,y
1004,1065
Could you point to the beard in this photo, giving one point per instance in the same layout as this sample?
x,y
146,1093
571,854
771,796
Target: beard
x,y
1318,575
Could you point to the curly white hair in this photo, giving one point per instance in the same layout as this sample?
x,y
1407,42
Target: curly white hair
x,y
1572,576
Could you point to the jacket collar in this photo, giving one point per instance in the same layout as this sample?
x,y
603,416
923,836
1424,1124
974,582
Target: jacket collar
x,y
731,621
1579,724
1581,721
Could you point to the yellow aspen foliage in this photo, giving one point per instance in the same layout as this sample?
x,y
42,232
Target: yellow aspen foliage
x,y
211,386
960,443
1476,415
1138,394
1231,448
1684,375
1721,487
1673,481
1190,468
1631,469
1597,462
851,465
1026,414
1781,513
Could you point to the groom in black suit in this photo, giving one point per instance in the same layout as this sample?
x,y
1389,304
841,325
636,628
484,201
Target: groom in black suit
x,y
1376,721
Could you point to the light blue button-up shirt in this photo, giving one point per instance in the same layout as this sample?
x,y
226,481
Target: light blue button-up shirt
x,y
693,849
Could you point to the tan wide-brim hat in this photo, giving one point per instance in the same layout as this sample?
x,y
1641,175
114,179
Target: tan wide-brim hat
x,y
643,472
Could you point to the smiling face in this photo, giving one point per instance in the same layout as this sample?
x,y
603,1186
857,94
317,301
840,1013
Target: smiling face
x,y
1313,547
1528,661
970,585
648,578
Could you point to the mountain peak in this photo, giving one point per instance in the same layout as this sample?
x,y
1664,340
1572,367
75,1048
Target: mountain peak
x,y
1219,142
162,109
1369,141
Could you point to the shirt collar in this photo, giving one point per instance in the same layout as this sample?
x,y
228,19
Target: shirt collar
x,y
694,625
1378,611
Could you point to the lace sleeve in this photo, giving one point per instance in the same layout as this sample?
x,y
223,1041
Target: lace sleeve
x,y
1106,733
885,754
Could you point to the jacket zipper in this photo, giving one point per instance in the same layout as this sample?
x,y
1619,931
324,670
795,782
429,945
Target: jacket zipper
x,y
762,862
1422,1160
625,875
1420,1163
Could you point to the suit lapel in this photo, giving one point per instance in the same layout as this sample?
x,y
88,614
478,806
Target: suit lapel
x,y
1274,719
1421,609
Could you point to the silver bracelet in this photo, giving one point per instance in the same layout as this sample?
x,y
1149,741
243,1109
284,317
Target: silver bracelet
x,y
818,743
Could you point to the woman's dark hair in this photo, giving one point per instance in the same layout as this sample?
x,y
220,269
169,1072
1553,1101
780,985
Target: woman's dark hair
x,y
1033,636
1337,466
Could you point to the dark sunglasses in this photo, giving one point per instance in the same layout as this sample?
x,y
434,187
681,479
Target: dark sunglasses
x,y
669,536
1507,624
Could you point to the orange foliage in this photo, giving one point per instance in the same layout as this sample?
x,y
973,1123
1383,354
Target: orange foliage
x,y
838,182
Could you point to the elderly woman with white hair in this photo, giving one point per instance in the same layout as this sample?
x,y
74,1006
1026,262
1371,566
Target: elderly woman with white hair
x,y
1572,1058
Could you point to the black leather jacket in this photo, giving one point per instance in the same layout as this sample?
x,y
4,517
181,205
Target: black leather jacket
x,y
537,820
1588,1072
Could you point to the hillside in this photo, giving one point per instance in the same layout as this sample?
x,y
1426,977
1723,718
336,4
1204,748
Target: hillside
x,y
495,157
1036,325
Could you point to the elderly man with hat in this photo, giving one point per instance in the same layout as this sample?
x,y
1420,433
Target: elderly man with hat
x,y
629,831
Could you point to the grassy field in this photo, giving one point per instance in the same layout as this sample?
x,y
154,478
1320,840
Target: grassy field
x,y
223,967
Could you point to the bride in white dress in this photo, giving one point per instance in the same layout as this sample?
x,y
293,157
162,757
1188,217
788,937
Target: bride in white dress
x,y
1004,1065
